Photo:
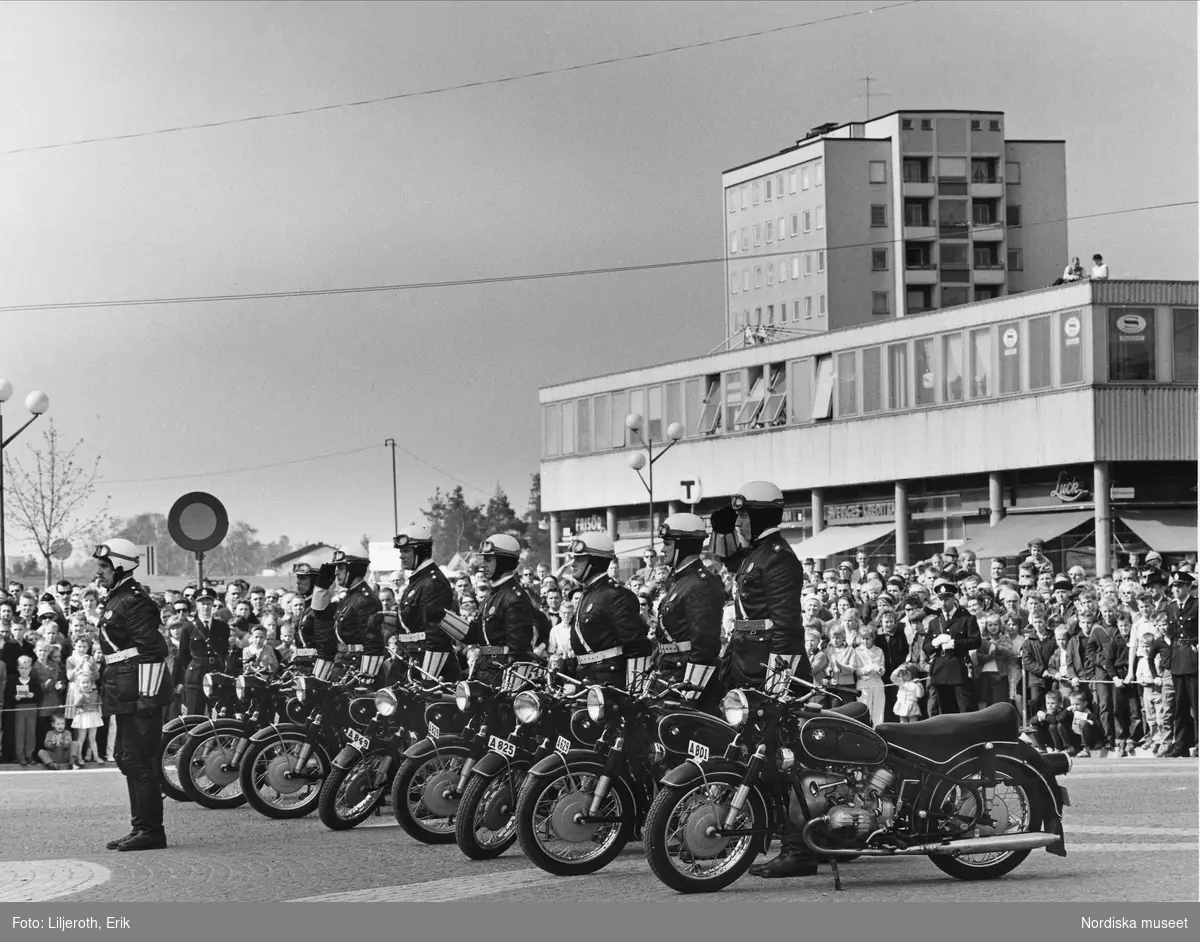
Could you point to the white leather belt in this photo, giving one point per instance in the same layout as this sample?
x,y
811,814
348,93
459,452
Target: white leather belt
x,y
304,652
675,647
596,656
412,637
354,649
493,649
120,656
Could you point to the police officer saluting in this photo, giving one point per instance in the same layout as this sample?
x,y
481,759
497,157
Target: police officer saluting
x,y
427,607
203,647
350,631
610,641
689,615
504,629
134,687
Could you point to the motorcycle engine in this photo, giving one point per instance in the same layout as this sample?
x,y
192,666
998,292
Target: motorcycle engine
x,y
854,804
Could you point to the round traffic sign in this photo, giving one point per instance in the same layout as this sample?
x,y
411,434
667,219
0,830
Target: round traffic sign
x,y
61,549
198,522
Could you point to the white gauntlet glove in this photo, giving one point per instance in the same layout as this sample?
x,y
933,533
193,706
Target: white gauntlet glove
x,y
637,674
150,678
780,669
433,662
322,669
697,675
370,664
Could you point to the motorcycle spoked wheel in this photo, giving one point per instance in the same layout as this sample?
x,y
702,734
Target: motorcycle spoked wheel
x,y
347,798
1017,805
679,847
270,781
486,825
419,794
550,835
166,764
204,774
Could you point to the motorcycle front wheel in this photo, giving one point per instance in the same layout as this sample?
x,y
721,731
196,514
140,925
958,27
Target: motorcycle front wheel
x,y
423,798
205,773
275,784
1017,805
548,825
348,798
166,764
485,826
680,848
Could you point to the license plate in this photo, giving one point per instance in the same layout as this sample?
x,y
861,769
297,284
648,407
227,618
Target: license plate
x,y
358,739
697,750
563,745
502,746
434,732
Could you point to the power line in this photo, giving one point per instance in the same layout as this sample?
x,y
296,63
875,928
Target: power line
x,y
578,67
534,276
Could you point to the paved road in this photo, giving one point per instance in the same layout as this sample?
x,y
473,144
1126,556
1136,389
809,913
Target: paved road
x,y
1131,835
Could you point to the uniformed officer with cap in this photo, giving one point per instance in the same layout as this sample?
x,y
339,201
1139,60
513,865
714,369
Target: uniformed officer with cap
x,y
349,631
304,655
689,615
503,629
134,687
610,641
1182,612
427,609
203,648
952,635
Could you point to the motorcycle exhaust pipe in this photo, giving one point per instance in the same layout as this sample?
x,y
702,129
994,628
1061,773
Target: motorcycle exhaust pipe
x,y
992,844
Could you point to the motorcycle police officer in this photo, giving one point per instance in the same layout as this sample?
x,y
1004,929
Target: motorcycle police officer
x,y
134,687
305,653
349,632
203,647
767,647
689,615
427,607
607,632
503,630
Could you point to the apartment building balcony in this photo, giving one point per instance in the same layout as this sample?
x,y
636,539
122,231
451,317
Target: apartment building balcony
x,y
920,274
919,189
988,231
920,233
990,189
989,274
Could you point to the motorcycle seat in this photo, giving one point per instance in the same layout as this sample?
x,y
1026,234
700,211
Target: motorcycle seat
x,y
943,737
857,711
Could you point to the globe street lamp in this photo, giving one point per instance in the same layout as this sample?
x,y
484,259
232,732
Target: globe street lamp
x,y
639,460
38,403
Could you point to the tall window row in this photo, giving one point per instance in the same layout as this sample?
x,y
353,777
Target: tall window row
x,y
776,186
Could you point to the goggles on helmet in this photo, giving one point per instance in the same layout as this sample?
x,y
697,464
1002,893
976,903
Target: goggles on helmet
x,y
403,540
103,552
303,569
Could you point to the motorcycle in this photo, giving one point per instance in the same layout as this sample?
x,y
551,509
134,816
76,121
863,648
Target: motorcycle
x,y
429,784
222,701
578,809
286,762
210,759
962,789
484,825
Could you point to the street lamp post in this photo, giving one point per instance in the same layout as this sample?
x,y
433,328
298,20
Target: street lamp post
x,y
639,460
38,403
391,443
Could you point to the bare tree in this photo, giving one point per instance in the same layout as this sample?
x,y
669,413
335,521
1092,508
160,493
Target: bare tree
x,y
49,500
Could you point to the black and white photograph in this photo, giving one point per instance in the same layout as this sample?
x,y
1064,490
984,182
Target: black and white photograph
x,y
633,468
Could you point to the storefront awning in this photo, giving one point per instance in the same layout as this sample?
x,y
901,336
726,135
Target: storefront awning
x,y
833,540
1167,531
1012,534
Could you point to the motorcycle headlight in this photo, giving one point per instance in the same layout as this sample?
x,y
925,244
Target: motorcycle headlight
x,y
735,708
462,695
385,702
595,704
301,688
527,707
207,685
785,759
239,687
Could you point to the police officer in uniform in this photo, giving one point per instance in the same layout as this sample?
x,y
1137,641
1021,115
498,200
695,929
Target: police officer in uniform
x,y
610,641
767,647
304,655
427,604
503,630
134,687
203,648
689,615
349,632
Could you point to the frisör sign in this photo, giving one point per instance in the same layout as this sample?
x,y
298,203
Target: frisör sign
x,y
198,522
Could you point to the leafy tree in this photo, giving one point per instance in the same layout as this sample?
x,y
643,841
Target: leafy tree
x,y
537,525
455,524
499,516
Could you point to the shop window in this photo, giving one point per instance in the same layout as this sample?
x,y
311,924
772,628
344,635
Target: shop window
x,y
822,403
847,384
1131,345
1070,351
583,426
1010,358
981,363
735,393
620,409
898,376
568,428
710,416
600,418
1183,344
923,368
1040,351
952,390
872,380
552,430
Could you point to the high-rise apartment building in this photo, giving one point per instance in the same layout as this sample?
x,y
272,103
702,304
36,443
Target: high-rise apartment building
x,y
905,213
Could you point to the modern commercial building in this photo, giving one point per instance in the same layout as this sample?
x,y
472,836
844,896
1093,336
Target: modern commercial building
x,y
1067,413
906,213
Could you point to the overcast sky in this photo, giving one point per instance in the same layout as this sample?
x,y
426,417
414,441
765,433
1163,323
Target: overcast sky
x,y
607,166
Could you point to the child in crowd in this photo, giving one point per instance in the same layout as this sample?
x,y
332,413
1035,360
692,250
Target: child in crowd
x,y
909,691
57,747
869,662
1084,725
1046,723
50,674
84,706
27,692
841,658
1144,672
1064,666
258,655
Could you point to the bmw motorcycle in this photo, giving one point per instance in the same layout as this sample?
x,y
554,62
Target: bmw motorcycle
x,y
287,762
963,789
219,688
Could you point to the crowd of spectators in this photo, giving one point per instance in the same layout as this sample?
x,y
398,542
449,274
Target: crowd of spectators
x,y
1095,665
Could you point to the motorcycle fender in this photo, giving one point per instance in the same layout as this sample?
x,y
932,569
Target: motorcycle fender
x,y
347,757
426,746
209,726
181,723
688,772
556,761
490,765
278,729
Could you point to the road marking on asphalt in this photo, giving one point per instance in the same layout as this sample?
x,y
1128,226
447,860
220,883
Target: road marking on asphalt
x,y
1118,848
36,881
73,772
1130,831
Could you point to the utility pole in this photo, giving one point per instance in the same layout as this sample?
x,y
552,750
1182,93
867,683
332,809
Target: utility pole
x,y
391,443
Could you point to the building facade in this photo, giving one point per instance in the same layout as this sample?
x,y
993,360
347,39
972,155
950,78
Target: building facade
x,y
906,213
1067,413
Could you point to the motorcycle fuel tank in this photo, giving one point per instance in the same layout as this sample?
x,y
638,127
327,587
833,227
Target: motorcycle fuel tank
x,y
678,731
830,739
